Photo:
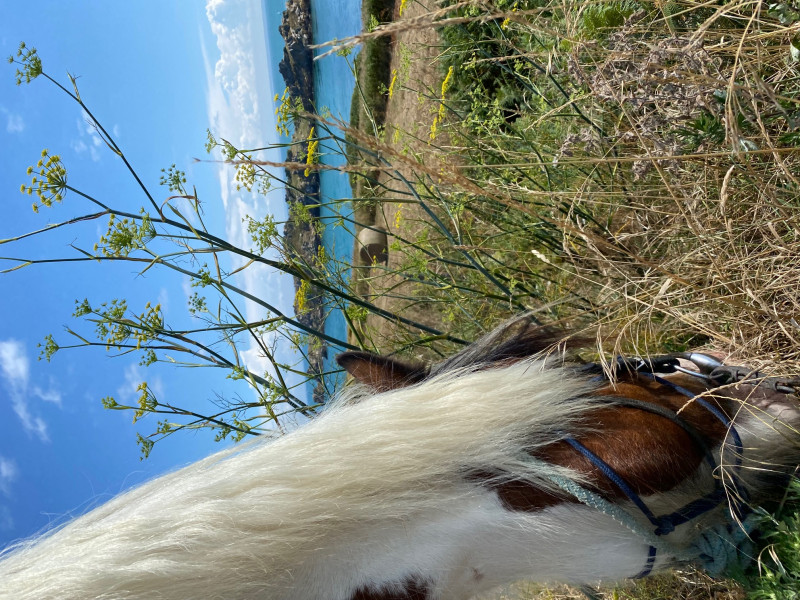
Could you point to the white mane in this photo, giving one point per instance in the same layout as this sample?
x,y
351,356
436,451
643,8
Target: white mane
x,y
295,517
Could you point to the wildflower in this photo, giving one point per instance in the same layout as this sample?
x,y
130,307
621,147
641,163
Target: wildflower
x,y
440,115
301,297
311,157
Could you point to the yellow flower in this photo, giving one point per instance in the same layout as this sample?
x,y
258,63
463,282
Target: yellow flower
x,y
300,298
446,82
311,157
440,116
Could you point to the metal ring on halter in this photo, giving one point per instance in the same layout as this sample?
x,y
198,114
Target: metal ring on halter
x,y
697,374
705,362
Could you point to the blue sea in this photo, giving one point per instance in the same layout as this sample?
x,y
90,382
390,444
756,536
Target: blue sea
x,y
333,87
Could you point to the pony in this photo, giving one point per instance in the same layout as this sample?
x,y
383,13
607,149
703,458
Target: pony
x,y
503,462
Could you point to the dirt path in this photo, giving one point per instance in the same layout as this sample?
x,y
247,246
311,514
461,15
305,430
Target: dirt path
x,y
410,113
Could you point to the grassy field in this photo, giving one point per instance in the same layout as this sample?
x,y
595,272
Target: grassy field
x,y
625,169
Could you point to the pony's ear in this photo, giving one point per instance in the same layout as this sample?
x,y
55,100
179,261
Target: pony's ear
x,y
380,372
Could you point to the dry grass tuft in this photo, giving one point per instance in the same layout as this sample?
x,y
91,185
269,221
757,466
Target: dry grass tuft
x,y
685,585
708,242
640,175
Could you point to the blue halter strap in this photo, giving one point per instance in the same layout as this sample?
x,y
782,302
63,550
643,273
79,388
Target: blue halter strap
x,y
665,524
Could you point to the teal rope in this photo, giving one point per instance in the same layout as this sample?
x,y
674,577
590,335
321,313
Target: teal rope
x,y
621,516
724,548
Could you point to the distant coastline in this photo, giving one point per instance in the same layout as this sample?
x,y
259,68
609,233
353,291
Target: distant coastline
x,y
303,191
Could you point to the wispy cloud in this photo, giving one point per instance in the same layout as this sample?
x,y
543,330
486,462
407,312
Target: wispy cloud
x,y
52,395
163,299
15,371
31,422
14,121
240,104
88,140
13,363
15,124
133,376
8,473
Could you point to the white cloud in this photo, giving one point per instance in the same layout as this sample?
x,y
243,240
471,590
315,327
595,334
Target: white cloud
x,y
88,139
79,146
52,395
8,473
163,300
13,363
32,423
133,377
186,286
234,102
15,369
254,359
240,108
14,122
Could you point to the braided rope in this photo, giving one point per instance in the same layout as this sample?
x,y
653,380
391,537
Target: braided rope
x,y
719,549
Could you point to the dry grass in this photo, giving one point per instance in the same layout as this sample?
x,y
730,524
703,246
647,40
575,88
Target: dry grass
x,y
689,585
670,229
708,242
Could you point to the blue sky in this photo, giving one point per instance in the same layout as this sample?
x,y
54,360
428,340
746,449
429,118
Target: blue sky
x,y
156,74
